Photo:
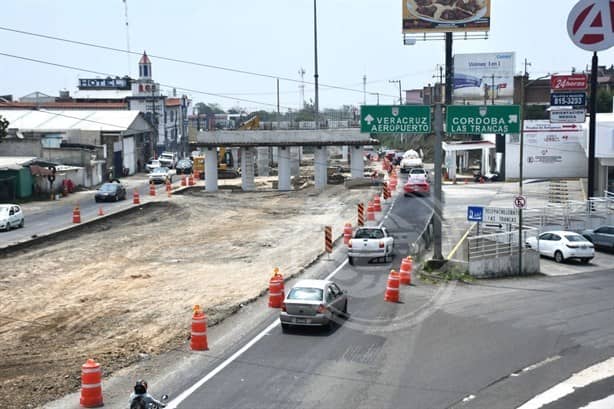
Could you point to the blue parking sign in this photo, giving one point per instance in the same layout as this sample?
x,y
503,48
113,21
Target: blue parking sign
x,y
475,213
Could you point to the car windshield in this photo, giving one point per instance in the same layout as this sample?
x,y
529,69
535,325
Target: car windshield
x,y
108,187
160,170
417,171
166,156
574,237
369,234
305,294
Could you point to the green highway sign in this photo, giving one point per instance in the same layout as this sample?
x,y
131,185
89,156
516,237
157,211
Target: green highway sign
x,y
395,119
479,119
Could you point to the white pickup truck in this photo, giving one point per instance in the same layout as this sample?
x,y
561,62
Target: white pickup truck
x,y
370,243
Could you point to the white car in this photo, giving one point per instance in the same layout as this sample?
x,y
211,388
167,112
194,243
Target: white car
x,y
160,175
411,159
562,245
152,164
371,243
11,216
168,159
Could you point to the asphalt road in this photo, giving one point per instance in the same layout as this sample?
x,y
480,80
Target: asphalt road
x,y
46,218
494,344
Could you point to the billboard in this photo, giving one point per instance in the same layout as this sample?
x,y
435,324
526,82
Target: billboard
x,y
440,16
478,78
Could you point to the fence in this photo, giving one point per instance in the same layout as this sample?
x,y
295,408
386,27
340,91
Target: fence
x,y
423,241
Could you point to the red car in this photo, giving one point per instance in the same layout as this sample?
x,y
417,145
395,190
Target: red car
x,y
417,184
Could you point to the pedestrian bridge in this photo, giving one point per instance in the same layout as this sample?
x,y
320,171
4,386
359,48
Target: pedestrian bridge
x,y
287,145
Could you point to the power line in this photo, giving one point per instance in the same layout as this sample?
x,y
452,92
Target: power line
x,y
106,74
176,60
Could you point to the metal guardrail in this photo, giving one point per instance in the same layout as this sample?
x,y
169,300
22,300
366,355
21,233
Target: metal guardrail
x,y
497,245
423,241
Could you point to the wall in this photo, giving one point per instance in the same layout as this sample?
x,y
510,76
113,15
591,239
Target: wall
x,y
21,147
505,266
550,151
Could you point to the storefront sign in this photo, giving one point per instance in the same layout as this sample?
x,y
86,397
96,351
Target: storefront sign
x,y
104,83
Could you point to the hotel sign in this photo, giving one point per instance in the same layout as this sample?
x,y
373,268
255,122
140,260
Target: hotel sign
x,y
104,83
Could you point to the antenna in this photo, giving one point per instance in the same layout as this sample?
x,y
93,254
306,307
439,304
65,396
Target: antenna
x,y
127,37
301,87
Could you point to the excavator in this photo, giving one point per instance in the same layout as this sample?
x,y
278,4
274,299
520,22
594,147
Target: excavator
x,y
226,168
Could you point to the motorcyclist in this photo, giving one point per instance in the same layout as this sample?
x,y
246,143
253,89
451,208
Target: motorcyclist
x,y
140,399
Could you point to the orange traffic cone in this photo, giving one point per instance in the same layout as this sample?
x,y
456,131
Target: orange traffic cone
x,y
392,288
100,211
198,337
347,233
191,180
152,189
276,290
91,385
135,197
377,204
370,212
76,214
405,273
183,181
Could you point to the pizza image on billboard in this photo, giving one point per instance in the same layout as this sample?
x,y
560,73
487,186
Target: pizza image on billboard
x,y
446,15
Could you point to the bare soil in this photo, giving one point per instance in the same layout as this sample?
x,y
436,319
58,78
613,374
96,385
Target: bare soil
x,y
126,287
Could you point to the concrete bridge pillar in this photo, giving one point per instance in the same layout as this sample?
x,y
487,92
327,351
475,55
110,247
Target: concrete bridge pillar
x,y
283,168
344,153
320,167
211,169
262,161
247,169
295,160
357,162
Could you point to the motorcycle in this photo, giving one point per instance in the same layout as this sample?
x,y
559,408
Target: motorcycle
x,y
152,405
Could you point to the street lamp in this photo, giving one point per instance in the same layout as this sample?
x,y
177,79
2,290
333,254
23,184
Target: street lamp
x,y
400,95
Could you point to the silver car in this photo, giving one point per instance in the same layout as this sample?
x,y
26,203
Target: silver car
x,y
313,303
601,237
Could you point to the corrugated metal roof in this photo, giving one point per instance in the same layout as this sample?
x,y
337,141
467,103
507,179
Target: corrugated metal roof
x,y
102,94
84,120
15,162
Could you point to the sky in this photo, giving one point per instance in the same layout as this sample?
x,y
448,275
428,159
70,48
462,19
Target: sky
x,y
273,37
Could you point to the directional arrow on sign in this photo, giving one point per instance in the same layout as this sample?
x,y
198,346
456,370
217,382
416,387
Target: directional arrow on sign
x,y
369,119
513,119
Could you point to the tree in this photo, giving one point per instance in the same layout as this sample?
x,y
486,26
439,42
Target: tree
x,y
4,125
604,100
204,109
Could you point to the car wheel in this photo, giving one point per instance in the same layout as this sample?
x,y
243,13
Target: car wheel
x,y
345,308
117,198
585,260
328,326
558,257
285,327
22,223
350,260
96,200
171,179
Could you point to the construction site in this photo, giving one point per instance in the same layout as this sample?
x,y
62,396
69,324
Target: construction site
x,y
124,288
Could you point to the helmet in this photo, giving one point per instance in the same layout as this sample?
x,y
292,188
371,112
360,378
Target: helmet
x,y
140,387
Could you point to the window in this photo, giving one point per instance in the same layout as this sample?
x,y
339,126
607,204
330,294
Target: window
x,y
545,236
330,295
336,290
306,294
555,237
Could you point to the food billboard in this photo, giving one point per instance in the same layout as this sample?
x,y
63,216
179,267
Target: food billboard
x,y
439,16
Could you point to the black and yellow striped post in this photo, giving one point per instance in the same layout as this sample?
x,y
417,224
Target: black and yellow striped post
x,y
361,214
328,239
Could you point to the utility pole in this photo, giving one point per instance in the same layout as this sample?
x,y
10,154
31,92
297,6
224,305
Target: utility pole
x,y
592,127
521,163
315,55
492,91
438,88
127,37
301,87
364,89
400,94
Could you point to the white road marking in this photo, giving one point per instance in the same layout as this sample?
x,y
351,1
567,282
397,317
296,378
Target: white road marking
x,y
606,403
469,398
537,365
589,375
185,394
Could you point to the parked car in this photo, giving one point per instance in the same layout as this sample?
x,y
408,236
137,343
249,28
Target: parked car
x,y
168,159
419,171
417,184
184,167
152,164
370,243
11,216
110,192
562,245
602,236
313,303
160,175
411,159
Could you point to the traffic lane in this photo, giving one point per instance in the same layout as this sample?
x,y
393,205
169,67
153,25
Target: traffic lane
x,y
603,260
60,215
283,369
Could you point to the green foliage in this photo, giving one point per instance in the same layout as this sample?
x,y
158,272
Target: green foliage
x,y
4,126
604,100
207,109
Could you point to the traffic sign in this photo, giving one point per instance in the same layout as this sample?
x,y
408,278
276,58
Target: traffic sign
x,y
520,202
395,119
574,82
590,24
571,99
473,119
500,215
568,116
475,213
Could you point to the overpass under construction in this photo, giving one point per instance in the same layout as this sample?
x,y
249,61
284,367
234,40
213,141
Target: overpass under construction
x,y
254,148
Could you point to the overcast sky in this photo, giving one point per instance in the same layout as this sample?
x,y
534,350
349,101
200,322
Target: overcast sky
x,y
355,38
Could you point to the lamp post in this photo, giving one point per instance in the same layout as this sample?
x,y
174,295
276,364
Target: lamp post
x,y
521,149
316,106
400,94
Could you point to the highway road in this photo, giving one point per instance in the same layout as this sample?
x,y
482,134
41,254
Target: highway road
x,y
45,217
492,344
